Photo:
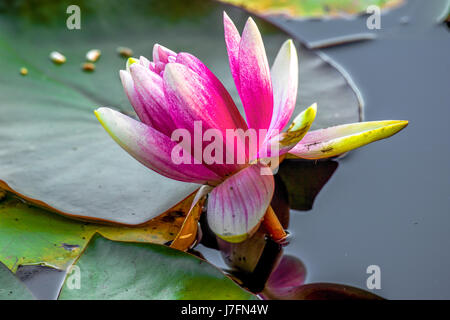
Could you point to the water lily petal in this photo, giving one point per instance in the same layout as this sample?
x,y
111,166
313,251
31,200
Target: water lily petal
x,y
150,147
237,205
285,83
254,76
333,141
200,68
194,100
143,61
149,87
128,86
285,141
162,54
232,40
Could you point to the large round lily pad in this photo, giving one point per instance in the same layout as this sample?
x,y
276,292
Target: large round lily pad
x,y
54,150
114,270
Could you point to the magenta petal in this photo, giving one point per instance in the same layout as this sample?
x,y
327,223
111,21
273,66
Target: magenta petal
x,y
150,147
232,40
198,67
162,54
128,86
237,205
149,87
194,100
254,76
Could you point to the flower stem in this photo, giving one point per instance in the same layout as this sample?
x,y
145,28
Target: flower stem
x,y
273,226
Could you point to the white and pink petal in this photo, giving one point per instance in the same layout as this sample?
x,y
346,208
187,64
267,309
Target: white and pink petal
x,y
284,74
237,206
151,147
149,88
162,54
128,86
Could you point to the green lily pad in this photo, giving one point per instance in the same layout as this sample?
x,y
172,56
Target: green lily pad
x,y
12,288
56,154
30,235
116,270
312,8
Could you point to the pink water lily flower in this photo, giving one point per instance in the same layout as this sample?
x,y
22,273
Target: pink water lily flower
x,y
176,90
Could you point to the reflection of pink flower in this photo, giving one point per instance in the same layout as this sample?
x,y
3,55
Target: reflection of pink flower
x,y
175,90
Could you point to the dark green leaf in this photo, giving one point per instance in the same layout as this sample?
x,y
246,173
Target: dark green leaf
x,y
115,270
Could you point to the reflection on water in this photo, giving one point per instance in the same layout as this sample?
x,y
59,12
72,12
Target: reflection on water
x,y
258,259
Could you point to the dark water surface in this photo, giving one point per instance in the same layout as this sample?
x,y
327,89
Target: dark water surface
x,y
388,204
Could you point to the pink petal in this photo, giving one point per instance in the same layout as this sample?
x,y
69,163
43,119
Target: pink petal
x,y
150,147
285,82
237,205
128,86
193,98
149,87
162,54
254,76
232,40
143,61
198,67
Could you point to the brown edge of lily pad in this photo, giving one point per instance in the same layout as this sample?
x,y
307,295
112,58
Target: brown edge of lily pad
x,y
43,205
